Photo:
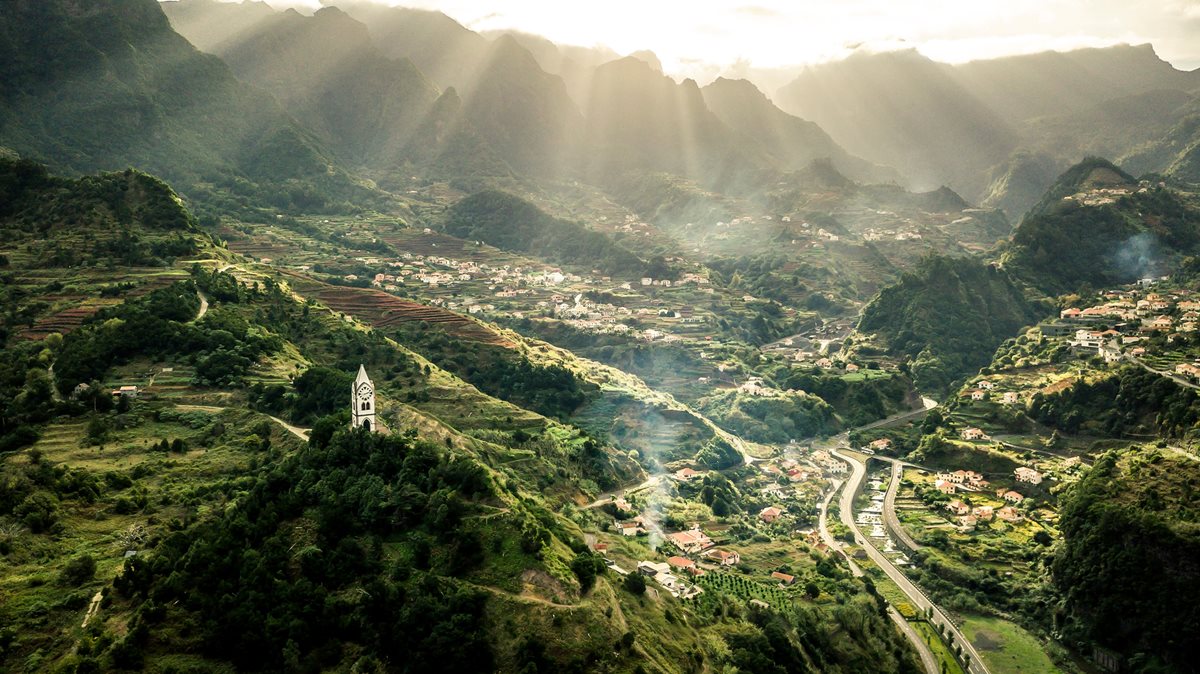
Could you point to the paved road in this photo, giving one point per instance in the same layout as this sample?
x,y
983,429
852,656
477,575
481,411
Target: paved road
x,y
928,660
609,496
1164,373
975,664
889,506
926,405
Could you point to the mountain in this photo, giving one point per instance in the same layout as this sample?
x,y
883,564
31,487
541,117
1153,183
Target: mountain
x,y
1176,152
524,112
511,223
573,64
948,315
904,110
448,53
1054,83
792,142
349,76
326,72
999,130
1019,182
106,85
640,119
209,23
1097,225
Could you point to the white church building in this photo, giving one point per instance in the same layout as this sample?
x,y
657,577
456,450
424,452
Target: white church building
x,y
362,402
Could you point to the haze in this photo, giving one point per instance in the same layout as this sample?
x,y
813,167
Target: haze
x,y
705,38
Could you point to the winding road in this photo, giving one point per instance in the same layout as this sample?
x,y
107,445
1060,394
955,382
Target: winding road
x,y
928,660
889,506
974,663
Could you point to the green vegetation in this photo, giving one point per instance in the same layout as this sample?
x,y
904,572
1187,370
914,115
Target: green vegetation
x,y
336,515
1006,648
1063,244
857,399
948,315
550,390
1130,401
510,223
773,419
1126,567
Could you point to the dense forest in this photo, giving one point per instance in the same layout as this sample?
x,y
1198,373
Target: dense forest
x,y
948,315
775,419
1127,568
1128,402
312,531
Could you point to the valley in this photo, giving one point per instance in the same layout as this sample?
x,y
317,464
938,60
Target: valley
x,y
652,369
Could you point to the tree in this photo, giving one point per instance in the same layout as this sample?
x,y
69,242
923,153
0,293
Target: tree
x,y
634,583
812,590
586,566
78,571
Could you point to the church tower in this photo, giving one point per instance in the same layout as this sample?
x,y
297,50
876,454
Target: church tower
x,y
362,402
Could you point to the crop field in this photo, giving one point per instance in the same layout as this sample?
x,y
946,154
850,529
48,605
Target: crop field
x,y
381,310
1006,648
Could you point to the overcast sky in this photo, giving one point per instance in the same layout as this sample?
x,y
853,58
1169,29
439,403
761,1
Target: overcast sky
x,y
694,35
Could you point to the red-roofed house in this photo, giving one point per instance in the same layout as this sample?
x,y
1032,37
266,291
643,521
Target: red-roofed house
x,y
783,578
682,563
958,507
770,514
1009,514
724,557
690,542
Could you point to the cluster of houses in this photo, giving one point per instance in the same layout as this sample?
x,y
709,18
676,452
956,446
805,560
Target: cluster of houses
x,y
909,234
664,573
694,547
969,517
437,271
984,389
1129,315
960,480
1100,196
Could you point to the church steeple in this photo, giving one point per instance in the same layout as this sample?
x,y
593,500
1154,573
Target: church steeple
x,y
362,402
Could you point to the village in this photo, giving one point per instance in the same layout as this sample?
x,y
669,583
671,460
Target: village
x,y
778,514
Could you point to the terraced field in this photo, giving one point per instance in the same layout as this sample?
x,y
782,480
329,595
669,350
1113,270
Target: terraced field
x,y
382,310
79,307
435,244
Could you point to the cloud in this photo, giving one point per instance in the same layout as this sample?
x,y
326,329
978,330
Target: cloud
x,y
756,10
781,33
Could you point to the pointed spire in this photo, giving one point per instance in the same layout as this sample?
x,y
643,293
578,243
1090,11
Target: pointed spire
x,y
362,374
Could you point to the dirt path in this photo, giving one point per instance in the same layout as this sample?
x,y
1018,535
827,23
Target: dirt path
x,y
92,608
203,307
301,433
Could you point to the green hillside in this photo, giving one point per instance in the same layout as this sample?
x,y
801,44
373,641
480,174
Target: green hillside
x,y
1097,226
511,223
111,86
948,315
212,535
1134,511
